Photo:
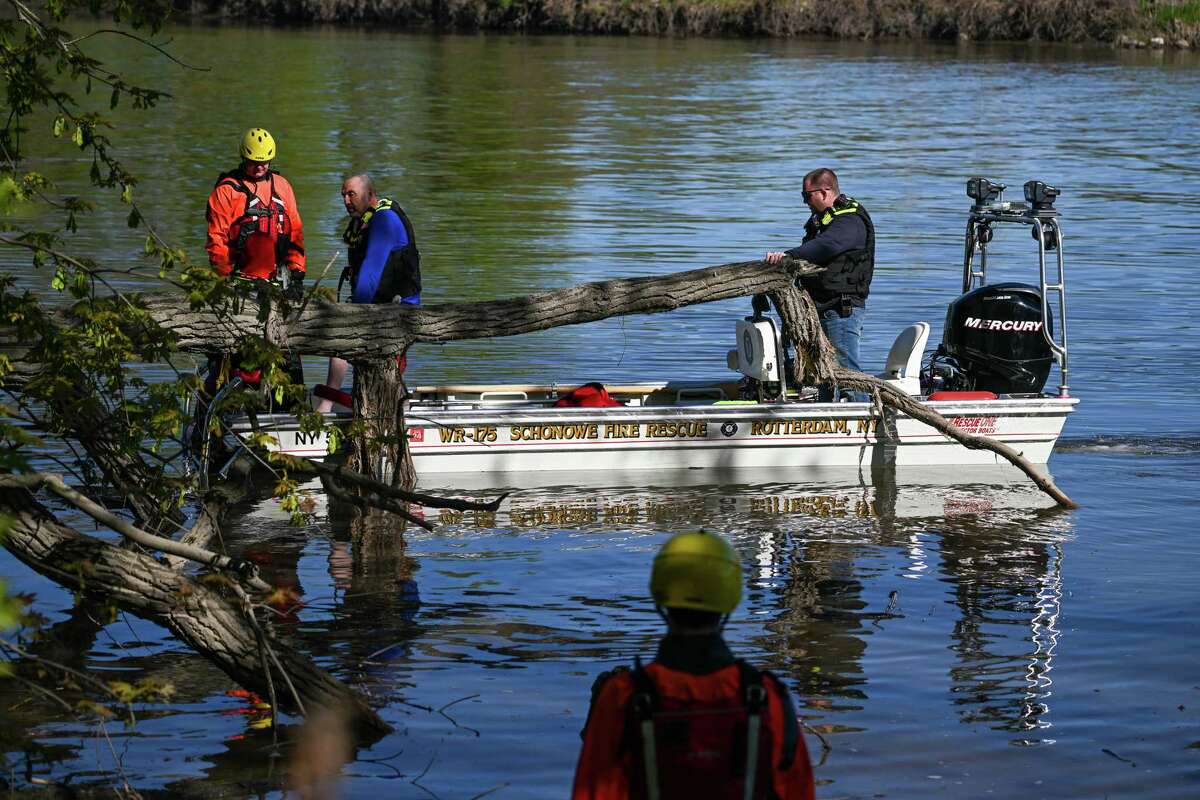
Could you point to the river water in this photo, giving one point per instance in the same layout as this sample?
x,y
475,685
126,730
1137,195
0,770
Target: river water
x,y
944,632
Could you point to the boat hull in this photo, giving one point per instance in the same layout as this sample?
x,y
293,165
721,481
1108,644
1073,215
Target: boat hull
x,y
707,436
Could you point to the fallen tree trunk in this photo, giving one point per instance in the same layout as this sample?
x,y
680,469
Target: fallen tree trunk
x,y
369,336
198,615
374,332
382,451
206,527
369,333
181,549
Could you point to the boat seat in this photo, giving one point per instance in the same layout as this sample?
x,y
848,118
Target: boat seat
x,y
903,368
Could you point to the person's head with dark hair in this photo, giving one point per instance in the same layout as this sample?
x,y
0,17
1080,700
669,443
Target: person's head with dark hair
x,y
820,189
691,622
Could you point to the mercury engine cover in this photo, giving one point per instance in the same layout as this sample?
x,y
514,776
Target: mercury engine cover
x,y
994,334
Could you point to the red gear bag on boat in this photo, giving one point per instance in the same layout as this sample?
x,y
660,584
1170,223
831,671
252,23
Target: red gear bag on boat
x,y
590,395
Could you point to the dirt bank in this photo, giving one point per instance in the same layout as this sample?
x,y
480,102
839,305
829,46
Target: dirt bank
x,y
1126,22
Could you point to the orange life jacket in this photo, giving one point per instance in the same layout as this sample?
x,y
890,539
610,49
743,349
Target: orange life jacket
x,y
701,750
260,238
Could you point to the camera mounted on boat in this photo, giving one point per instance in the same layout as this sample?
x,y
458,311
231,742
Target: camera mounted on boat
x,y
1042,197
985,192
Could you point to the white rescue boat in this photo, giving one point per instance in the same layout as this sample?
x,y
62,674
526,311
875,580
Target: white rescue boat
x,y
987,377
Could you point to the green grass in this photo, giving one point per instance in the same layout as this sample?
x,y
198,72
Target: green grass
x,y
1187,12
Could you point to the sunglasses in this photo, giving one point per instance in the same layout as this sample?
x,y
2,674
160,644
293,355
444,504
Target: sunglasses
x,y
807,193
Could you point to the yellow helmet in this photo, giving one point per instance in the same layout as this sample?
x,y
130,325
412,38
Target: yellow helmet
x,y
257,145
699,571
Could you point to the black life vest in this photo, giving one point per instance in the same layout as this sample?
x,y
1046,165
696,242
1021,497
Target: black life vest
x,y
711,751
850,272
402,273
260,238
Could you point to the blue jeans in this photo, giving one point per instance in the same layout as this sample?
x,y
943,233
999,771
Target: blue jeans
x,y
844,334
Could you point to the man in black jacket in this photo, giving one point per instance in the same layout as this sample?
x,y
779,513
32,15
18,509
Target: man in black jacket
x,y
839,236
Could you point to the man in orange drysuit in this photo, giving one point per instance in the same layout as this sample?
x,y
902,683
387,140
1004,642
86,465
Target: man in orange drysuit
x,y
695,722
255,232
254,228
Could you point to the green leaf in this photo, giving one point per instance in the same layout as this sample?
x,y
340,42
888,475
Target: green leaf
x,y
10,194
77,136
60,125
59,281
127,193
123,691
10,611
278,395
134,218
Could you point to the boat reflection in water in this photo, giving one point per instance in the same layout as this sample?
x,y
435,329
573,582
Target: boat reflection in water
x,y
1010,579
651,497
849,580
835,555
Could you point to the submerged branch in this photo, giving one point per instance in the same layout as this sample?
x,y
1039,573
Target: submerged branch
x,y
373,500
342,475
815,364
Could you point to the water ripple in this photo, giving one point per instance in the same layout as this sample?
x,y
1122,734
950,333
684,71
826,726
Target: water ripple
x,y
1132,444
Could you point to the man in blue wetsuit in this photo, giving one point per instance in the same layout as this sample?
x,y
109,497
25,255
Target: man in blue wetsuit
x,y
839,236
385,266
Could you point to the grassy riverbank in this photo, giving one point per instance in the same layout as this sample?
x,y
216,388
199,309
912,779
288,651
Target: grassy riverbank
x,y
1129,22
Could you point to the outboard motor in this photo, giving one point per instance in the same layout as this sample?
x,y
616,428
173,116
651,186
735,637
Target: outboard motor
x,y
1000,337
993,341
